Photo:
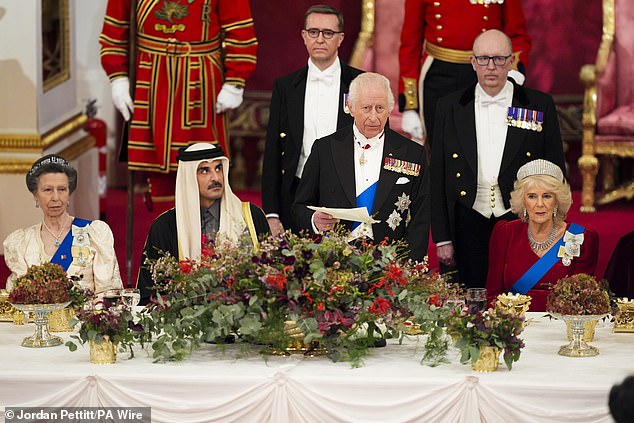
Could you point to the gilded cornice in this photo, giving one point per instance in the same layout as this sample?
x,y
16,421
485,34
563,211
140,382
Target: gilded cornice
x,y
14,166
39,143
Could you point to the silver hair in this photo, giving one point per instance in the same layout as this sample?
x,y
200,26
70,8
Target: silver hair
x,y
370,79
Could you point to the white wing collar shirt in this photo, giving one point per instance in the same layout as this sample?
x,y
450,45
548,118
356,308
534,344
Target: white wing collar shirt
x,y
321,107
491,128
368,153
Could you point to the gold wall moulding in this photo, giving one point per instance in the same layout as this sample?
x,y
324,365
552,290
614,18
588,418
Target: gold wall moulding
x,y
38,143
70,153
55,43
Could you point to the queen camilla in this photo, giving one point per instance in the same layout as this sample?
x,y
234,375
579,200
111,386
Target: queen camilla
x,y
529,255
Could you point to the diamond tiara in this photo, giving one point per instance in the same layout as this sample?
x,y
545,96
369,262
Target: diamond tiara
x,y
540,167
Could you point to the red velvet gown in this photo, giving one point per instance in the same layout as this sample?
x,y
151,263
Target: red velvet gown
x,y
510,256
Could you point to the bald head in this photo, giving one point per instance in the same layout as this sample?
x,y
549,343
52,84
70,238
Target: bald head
x,y
492,37
492,60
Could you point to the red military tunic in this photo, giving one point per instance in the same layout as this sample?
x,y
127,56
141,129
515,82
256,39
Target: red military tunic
x,y
449,28
179,71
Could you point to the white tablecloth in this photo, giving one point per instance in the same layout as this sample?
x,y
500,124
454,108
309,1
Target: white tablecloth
x,y
217,386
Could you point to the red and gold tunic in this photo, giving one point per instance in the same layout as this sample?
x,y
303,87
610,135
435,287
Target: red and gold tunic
x,y
186,50
448,28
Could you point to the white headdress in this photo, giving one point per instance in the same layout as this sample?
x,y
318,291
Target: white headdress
x,y
232,223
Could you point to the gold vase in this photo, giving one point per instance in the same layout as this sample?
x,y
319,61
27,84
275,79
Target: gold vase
x,y
624,319
487,361
295,343
59,320
104,352
588,330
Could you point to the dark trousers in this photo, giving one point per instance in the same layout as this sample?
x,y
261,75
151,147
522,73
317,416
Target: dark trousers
x,y
471,247
286,215
441,79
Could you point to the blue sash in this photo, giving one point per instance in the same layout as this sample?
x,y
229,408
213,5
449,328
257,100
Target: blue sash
x,y
543,265
366,199
63,255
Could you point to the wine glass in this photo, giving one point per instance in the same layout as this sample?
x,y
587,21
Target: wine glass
x,y
476,300
131,297
112,297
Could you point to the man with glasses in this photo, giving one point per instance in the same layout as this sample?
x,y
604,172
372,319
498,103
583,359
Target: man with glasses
x,y
483,135
305,105
436,41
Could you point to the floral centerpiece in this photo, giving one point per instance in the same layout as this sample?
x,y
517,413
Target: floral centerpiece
x,y
578,295
46,283
341,295
43,289
580,300
490,328
112,326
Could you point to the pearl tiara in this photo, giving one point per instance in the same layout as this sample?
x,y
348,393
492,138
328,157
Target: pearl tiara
x,y
540,167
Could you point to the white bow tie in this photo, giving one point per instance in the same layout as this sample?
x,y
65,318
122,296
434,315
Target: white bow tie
x,y
501,101
327,79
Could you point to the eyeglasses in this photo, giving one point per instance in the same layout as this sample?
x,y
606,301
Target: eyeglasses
x,y
497,60
327,33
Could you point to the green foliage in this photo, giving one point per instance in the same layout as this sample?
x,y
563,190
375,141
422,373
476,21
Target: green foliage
x,y
105,323
343,296
495,328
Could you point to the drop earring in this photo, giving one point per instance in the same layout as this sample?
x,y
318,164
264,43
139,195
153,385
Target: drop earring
x,y
37,204
555,212
525,213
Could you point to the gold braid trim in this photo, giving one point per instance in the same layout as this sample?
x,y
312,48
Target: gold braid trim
x,y
410,93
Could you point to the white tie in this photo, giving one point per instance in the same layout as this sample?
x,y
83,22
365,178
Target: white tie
x,y
327,79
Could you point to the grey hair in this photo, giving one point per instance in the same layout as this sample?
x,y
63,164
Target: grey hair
x,y
370,79
51,163
561,191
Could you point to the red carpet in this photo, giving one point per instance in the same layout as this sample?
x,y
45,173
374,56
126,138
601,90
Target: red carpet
x,y
611,222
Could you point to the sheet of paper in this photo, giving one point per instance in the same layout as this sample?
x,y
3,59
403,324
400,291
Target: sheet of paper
x,y
358,214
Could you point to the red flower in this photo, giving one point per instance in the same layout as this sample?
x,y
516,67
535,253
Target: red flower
x,y
380,306
321,306
186,266
434,300
277,281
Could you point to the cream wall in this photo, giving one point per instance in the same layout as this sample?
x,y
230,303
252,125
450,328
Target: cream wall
x,y
28,114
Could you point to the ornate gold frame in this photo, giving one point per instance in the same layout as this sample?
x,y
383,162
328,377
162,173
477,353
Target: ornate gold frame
x,y
588,162
64,32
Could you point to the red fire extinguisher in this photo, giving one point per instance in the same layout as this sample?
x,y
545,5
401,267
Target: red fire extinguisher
x,y
97,128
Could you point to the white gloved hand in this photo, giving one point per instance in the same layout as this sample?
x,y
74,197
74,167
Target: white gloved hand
x,y
411,124
121,97
229,97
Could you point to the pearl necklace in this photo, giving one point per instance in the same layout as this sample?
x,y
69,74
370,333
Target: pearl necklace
x,y
544,245
59,235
